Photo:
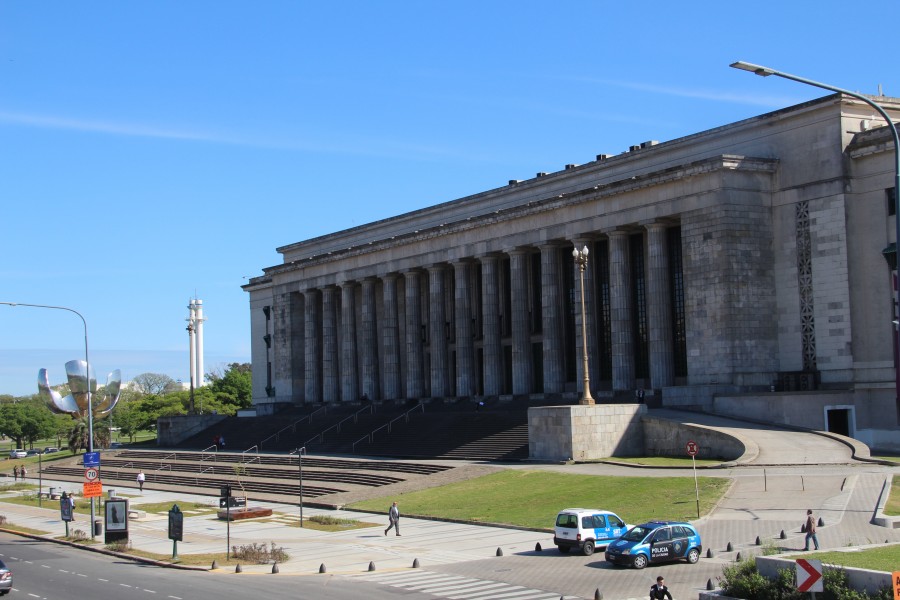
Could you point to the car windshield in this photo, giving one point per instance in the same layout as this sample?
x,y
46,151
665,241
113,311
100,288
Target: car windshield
x,y
636,534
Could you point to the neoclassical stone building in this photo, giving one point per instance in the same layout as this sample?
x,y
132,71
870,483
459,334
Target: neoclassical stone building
x,y
739,270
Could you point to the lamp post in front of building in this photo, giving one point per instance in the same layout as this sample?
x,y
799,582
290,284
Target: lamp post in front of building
x,y
87,364
581,258
765,72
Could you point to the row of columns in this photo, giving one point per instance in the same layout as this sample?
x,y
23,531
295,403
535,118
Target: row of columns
x,y
371,364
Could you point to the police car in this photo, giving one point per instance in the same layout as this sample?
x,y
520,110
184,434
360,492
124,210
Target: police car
x,y
655,542
585,529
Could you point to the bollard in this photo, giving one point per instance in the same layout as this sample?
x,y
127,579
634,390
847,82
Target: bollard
x,y
215,565
709,585
537,547
803,528
729,548
371,566
821,522
758,541
783,535
709,553
738,557
499,552
275,568
598,595
322,568
238,569
415,564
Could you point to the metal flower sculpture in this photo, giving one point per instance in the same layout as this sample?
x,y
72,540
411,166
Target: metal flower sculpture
x,y
80,381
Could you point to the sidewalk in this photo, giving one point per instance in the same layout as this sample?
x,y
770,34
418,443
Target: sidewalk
x,y
340,552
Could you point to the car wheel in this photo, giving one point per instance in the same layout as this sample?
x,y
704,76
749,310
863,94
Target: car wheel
x,y
693,556
588,548
640,561
563,549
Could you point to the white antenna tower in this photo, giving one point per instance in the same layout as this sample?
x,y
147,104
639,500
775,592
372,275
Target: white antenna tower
x,y
195,328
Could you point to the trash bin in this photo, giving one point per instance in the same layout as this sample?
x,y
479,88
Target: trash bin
x,y
54,491
98,527
111,493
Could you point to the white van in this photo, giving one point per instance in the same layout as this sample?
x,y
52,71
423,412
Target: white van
x,y
586,528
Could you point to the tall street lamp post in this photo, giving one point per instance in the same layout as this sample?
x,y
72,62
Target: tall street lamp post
x,y
90,407
766,71
581,258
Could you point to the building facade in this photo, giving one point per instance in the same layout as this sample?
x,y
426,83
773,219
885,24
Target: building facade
x,y
738,270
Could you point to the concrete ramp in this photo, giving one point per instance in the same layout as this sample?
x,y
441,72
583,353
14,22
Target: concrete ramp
x,y
773,445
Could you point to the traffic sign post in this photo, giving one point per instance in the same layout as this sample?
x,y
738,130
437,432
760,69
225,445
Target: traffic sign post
x,y
692,448
809,576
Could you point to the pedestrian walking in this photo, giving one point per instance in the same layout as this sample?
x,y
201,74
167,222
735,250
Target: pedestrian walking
x,y
659,591
140,480
811,530
16,472
394,517
23,472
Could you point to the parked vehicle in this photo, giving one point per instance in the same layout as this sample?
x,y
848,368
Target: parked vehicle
x,y
585,529
655,542
17,453
32,452
50,450
6,579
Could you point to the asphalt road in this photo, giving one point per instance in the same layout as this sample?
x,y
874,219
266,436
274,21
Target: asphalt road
x,y
47,571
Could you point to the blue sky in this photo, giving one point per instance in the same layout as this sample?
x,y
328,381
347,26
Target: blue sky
x,y
151,152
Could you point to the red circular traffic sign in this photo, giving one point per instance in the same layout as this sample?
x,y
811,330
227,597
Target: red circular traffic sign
x,y
91,474
692,448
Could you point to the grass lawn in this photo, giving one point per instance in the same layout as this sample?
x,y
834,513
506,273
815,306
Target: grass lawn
x,y
533,498
194,508
876,559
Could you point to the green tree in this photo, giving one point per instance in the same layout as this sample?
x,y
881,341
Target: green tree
x,y
78,435
234,387
12,422
37,422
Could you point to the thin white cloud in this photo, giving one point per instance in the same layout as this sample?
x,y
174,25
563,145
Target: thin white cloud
x,y
713,95
355,145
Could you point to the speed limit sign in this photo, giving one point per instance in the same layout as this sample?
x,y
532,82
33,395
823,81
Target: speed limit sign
x,y
692,448
91,474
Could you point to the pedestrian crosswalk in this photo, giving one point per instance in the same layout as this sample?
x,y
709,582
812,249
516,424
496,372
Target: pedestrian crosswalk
x,y
456,587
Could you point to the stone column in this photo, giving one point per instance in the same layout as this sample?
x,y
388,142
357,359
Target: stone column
x,y
391,340
620,312
349,364
490,320
369,355
437,326
312,315
331,380
465,342
554,374
659,309
521,342
415,378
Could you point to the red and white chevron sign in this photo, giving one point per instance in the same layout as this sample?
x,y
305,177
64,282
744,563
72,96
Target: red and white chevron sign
x,y
809,575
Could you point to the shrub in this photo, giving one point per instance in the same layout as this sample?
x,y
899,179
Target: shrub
x,y
259,553
742,580
78,535
119,546
329,520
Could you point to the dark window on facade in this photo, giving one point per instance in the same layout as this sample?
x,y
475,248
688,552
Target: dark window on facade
x,y
676,281
570,306
535,310
603,321
891,202
639,302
